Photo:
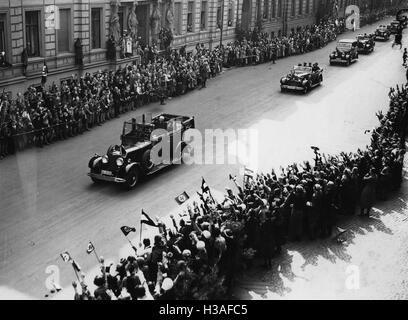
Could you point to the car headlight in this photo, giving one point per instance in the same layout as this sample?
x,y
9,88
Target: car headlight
x,y
105,159
304,81
119,162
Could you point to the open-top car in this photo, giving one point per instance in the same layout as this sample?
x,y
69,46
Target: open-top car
x,y
382,33
346,52
302,78
365,43
136,156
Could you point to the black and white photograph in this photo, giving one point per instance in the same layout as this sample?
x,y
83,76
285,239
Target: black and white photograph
x,y
203,150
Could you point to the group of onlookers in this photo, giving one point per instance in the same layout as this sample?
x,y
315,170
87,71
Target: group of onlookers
x,y
200,254
43,115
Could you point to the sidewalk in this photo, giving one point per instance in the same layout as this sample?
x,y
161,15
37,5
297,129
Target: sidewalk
x,y
375,253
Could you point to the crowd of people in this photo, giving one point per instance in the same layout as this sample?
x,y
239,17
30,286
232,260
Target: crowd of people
x,y
43,115
200,255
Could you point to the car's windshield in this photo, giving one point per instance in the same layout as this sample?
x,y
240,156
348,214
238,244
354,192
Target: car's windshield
x,y
302,69
116,150
344,46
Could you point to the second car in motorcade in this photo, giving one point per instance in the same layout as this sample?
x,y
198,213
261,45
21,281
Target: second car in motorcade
x,y
365,43
382,33
346,52
395,27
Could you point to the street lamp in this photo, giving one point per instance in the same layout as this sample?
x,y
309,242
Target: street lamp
x,y
222,22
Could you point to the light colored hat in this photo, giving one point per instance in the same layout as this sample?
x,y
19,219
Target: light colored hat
x,y
200,245
167,284
206,234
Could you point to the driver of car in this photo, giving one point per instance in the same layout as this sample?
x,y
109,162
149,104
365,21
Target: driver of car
x,y
161,123
315,67
116,150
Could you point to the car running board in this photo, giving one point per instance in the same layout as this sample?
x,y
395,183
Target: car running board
x,y
157,168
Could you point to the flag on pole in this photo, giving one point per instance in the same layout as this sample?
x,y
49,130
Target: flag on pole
x,y
66,256
76,266
180,199
126,230
248,172
90,248
204,186
147,220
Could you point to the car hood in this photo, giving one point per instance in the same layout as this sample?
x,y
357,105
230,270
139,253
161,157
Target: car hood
x,y
138,145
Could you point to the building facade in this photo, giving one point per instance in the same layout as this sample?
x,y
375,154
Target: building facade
x,y
48,30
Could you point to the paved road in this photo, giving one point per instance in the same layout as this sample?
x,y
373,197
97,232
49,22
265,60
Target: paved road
x,y
48,204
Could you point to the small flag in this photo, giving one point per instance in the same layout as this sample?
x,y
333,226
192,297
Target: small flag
x,y
180,199
204,186
233,178
248,172
90,248
147,220
76,266
126,230
65,256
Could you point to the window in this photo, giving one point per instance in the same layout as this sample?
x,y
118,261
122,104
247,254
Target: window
x,y
230,13
300,7
258,10
273,15
64,32
177,18
265,9
293,8
32,30
307,6
121,15
219,14
203,16
190,10
96,28
279,8
3,31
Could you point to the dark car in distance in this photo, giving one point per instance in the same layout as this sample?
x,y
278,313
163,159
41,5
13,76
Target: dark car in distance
x,y
395,27
128,162
365,43
382,33
346,52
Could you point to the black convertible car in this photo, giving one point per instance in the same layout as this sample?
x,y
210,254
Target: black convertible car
x,y
136,155
302,78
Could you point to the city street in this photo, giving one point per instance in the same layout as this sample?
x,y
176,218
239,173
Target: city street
x,y
48,204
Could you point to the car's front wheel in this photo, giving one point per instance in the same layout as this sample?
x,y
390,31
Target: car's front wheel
x,y
306,89
96,181
147,161
283,89
132,178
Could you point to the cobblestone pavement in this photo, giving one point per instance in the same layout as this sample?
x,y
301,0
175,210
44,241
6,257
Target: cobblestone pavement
x,y
372,263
